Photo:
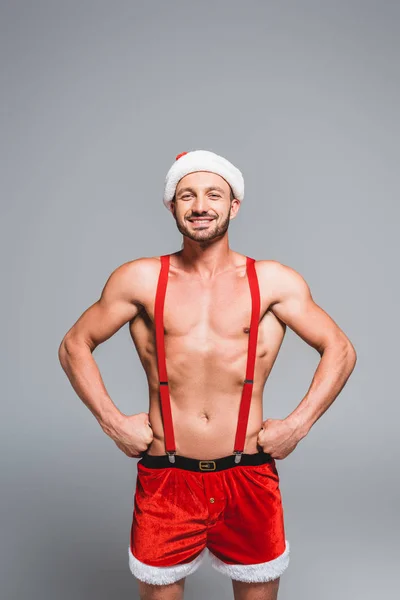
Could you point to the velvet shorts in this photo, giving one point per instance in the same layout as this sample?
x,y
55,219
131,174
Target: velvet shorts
x,y
235,514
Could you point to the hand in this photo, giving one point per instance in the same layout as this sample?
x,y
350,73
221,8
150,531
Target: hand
x,y
133,434
278,438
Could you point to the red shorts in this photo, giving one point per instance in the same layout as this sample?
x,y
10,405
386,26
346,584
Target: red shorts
x,y
235,513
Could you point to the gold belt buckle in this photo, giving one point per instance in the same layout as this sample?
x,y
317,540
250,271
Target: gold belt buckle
x,y
207,465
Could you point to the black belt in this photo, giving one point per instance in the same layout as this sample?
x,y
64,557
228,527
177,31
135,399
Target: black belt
x,y
193,464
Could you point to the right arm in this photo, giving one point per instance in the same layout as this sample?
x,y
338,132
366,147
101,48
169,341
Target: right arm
x,y
119,303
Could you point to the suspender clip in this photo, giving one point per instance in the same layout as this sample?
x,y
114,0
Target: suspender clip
x,y
238,456
171,455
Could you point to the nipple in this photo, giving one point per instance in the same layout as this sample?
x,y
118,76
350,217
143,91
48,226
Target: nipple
x,y
246,329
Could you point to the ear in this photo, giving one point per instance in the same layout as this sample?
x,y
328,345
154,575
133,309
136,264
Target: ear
x,y
235,205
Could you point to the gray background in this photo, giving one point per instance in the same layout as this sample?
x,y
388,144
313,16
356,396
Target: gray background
x,y
97,99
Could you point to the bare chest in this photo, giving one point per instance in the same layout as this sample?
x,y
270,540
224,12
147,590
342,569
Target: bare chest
x,y
207,311
206,334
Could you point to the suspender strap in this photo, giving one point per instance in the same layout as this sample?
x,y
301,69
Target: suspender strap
x,y
161,362
251,359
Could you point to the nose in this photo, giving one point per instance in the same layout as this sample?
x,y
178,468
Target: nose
x,y
200,204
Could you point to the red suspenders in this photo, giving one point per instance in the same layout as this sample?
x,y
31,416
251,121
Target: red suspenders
x,y
251,360
162,368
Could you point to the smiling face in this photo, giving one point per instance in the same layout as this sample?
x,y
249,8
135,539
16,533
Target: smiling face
x,y
203,206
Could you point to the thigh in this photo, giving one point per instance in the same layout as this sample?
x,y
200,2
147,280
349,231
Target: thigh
x,y
172,591
256,591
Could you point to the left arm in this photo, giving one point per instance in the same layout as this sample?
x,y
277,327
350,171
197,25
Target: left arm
x,y
293,304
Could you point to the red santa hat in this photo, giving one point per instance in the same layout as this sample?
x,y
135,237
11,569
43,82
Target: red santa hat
x,y
202,160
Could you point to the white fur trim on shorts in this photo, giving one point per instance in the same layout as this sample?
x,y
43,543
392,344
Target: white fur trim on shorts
x,y
163,575
253,573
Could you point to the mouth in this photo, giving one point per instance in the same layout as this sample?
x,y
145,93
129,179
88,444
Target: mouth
x,y
201,220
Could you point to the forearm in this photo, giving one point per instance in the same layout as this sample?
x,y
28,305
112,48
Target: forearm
x,y
82,371
333,371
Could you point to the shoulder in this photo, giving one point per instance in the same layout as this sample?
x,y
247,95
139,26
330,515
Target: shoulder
x,y
142,268
274,268
136,278
281,279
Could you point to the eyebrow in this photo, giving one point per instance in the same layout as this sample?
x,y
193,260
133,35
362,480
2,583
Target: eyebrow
x,y
208,189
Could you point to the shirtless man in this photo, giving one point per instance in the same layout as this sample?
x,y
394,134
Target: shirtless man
x,y
207,323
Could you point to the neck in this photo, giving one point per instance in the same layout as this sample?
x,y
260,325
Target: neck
x,y
205,260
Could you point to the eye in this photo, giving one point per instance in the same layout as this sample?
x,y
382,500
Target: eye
x,y
214,195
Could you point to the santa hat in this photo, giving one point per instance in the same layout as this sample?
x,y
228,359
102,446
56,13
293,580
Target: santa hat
x,y
202,160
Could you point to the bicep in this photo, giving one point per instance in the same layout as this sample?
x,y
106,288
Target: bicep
x,y
296,307
115,307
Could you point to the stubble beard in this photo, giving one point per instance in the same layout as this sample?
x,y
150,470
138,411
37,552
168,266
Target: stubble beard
x,y
205,235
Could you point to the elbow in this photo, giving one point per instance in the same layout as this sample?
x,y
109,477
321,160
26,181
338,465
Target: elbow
x,y
344,349
67,349
349,354
63,352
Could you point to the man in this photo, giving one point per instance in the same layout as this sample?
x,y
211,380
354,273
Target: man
x,y
208,324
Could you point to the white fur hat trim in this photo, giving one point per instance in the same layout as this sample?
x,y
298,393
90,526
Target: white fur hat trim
x,y
202,160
